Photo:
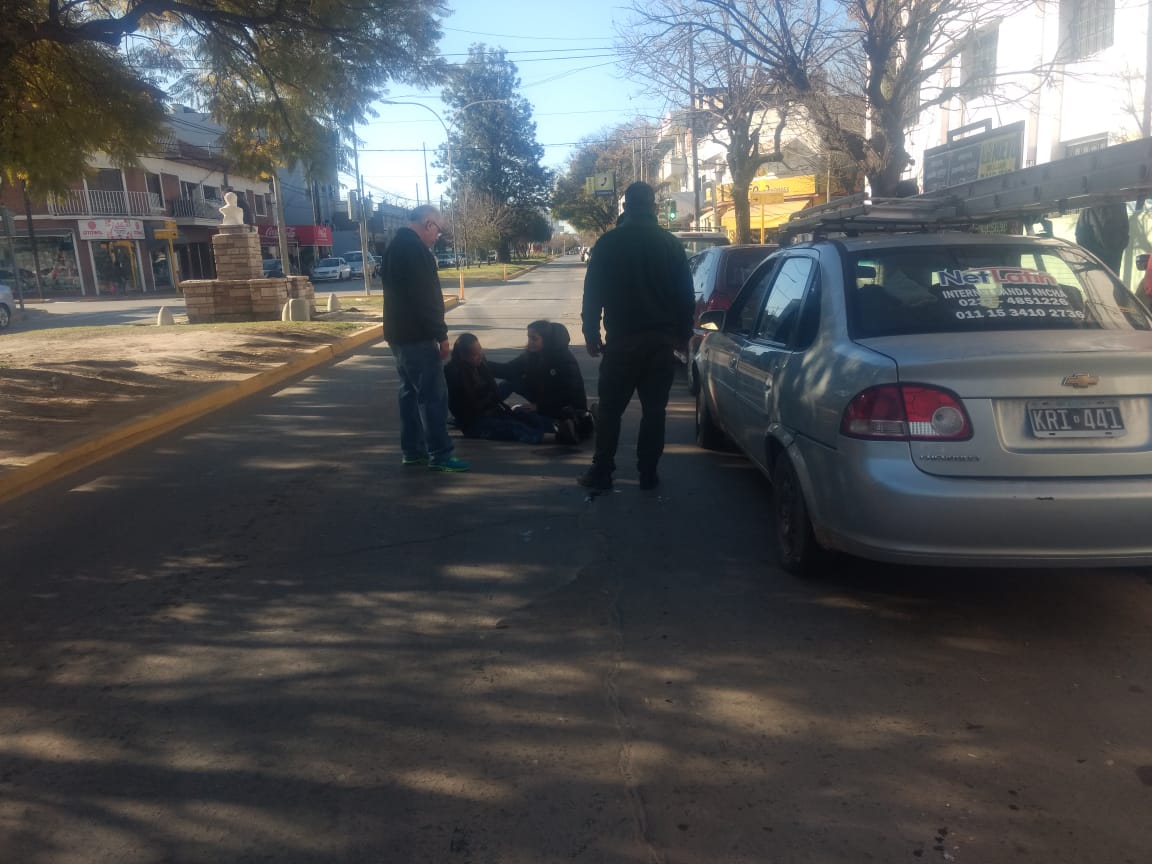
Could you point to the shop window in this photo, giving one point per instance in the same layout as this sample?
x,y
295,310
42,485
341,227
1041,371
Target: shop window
x,y
1088,27
261,205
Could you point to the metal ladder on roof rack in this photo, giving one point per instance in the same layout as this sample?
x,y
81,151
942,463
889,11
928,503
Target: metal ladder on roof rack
x,y
1122,172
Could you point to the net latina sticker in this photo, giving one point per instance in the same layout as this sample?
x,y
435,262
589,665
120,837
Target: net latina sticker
x,y
994,276
1005,292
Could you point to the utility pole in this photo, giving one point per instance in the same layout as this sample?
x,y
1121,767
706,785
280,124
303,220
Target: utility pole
x,y
692,129
427,192
281,227
365,261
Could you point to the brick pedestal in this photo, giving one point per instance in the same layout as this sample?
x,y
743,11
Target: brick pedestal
x,y
240,292
237,252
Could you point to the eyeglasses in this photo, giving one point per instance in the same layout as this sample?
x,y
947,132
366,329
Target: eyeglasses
x,y
439,230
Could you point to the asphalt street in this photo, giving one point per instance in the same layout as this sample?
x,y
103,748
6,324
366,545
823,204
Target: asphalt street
x,y
263,640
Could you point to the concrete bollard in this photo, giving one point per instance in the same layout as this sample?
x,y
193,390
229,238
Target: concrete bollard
x,y
164,317
333,303
296,310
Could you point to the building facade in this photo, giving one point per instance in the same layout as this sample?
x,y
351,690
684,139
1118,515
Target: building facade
x,y
1063,77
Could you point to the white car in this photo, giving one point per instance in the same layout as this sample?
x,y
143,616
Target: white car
x,y
6,306
355,261
331,269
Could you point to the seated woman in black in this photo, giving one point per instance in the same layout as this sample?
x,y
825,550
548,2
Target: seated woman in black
x,y
476,403
547,374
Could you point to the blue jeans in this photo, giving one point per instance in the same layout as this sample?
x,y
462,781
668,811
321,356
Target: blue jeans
x,y
527,427
423,400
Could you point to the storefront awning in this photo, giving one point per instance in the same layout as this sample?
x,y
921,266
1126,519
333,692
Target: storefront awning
x,y
304,235
766,216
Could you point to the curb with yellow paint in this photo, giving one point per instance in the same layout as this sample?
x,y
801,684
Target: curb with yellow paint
x,y
35,475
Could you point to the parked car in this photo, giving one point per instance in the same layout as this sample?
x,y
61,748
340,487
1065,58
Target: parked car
x,y
273,269
331,269
717,275
939,398
356,263
445,259
7,304
698,241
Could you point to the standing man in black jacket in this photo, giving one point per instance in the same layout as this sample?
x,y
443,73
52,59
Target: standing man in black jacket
x,y
415,329
638,278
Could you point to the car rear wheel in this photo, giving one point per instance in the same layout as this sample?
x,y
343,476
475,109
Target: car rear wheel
x,y
5,316
708,434
796,544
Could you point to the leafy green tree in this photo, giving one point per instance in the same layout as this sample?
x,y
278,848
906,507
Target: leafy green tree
x,y
84,76
492,140
622,150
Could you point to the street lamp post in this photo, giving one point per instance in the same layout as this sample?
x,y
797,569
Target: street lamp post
x,y
456,222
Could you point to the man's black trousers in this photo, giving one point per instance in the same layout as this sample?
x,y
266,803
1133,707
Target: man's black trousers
x,y
645,367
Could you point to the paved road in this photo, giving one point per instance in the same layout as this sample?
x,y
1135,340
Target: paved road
x,y
265,641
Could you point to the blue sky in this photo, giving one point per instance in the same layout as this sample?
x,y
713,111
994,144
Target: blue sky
x,y
567,71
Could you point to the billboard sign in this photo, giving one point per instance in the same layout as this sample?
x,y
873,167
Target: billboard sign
x,y
987,154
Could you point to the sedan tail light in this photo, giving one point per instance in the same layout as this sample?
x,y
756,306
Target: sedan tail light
x,y
718,301
906,412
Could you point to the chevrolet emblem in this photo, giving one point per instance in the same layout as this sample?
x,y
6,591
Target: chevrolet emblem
x,y
1080,380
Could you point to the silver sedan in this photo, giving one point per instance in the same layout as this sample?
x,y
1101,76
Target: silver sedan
x,y
331,269
945,398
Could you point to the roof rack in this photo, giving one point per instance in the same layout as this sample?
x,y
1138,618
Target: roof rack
x,y
860,213
1122,172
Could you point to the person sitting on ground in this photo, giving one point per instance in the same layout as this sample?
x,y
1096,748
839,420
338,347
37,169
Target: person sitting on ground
x,y
476,403
548,375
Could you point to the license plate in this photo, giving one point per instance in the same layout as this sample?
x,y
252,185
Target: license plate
x,y
1075,419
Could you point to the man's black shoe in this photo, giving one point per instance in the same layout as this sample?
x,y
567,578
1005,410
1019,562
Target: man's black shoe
x,y
594,478
649,480
566,432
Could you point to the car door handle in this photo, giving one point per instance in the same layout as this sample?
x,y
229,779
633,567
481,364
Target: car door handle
x,y
735,359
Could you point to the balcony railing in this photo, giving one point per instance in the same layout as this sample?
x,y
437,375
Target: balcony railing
x,y
196,208
98,202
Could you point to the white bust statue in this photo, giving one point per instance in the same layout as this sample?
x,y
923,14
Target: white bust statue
x,y
232,214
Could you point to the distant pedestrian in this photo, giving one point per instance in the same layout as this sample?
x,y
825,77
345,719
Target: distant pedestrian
x,y
415,329
638,279
1103,231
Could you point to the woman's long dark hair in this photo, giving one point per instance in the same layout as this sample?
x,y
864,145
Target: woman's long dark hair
x,y
460,347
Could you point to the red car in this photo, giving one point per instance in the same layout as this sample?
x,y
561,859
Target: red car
x,y
717,274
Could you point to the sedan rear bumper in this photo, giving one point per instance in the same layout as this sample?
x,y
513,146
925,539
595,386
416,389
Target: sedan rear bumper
x,y
868,499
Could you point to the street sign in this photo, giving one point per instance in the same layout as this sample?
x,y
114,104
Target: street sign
x,y
166,234
169,224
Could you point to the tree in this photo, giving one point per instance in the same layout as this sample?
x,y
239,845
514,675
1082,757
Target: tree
x,y
621,150
733,99
863,69
491,146
265,69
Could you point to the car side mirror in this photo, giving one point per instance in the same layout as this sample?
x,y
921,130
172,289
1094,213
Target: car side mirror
x,y
1142,261
712,320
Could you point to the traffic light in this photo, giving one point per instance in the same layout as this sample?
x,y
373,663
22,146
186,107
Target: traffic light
x,y
672,210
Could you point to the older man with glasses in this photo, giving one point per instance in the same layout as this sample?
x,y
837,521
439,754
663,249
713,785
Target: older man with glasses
x,y
415,329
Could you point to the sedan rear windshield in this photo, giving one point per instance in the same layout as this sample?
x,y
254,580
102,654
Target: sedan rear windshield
x,y
962,288
329,262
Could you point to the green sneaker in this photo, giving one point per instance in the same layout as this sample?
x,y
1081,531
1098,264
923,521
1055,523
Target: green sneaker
x,y
450,465
409,461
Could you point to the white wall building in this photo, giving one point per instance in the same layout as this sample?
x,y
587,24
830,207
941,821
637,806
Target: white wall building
x,y
1074,72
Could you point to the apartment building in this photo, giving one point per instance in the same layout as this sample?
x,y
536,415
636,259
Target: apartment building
x,y
120,230
1056,78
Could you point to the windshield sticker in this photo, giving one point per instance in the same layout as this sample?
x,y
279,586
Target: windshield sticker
x,y
994,276
1006,292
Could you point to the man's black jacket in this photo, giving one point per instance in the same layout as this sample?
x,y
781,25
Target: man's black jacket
x,y
413,299
638,275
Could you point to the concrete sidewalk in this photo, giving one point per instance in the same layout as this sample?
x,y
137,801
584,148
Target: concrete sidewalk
x,y
83,454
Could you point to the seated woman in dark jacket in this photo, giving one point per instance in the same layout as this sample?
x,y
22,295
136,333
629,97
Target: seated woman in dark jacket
x,y
476,403
547,374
